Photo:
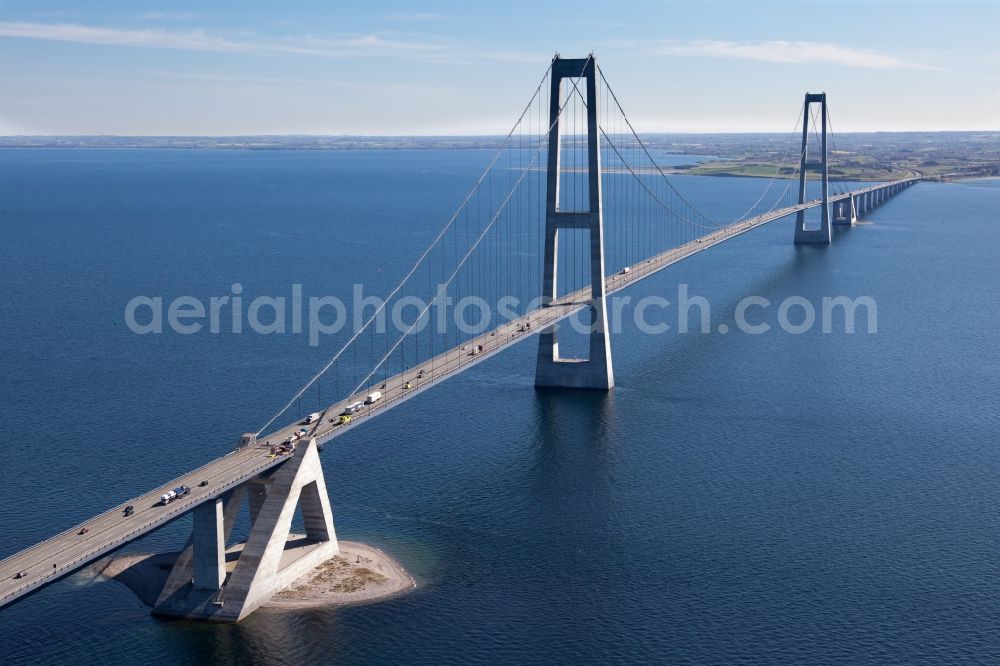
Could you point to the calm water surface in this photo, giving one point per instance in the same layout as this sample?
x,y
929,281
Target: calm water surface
x,y
736,499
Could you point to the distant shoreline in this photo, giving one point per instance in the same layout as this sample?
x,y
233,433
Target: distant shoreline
x,y
861,156
671,143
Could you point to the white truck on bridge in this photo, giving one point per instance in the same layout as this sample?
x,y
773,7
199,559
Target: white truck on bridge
x,y
171,495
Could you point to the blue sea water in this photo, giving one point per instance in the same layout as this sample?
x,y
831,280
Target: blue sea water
x,y
815,498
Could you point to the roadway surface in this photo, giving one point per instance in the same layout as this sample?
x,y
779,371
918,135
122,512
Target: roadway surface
x,y
69,551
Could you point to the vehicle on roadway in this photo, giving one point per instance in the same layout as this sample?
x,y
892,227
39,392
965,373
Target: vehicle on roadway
x,y
203,484
373,397
353,408
129,510
84,530
171,495
280,450
21,574
312,418
345,419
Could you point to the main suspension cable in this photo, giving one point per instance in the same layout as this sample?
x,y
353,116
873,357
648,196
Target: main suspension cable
x,y
420,260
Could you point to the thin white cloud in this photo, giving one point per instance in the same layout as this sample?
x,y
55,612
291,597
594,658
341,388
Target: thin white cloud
x,y
420,16
405,87
396,44
203,40
167,16
788,52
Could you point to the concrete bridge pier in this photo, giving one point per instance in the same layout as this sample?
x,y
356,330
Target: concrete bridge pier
x,y
208,540
204,585
594,372
846,213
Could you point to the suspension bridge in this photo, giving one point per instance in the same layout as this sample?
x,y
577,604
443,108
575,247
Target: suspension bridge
x,y
574,206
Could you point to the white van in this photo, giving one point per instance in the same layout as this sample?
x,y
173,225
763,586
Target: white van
x,y
312,417
373,397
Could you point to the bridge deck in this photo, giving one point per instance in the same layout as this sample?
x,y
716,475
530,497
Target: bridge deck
x,y
68,551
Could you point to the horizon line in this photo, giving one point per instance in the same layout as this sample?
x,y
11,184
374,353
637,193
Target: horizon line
x,y
305,135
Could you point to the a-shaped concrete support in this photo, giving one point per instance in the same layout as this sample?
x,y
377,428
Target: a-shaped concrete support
x,y
200,588
823,235
594,372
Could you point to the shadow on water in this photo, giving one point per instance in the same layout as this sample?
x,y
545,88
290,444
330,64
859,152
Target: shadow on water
x,y
575,443
690,349
267,636
587,412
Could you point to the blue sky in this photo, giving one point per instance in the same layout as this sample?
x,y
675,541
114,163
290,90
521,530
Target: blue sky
x,y
327,67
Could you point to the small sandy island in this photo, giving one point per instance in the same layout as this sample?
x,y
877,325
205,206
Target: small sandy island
x,y
360,574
